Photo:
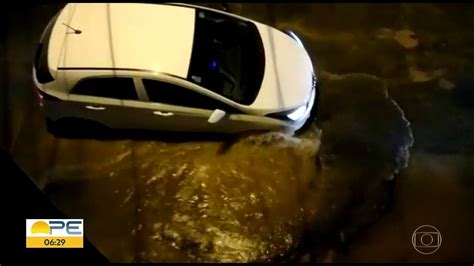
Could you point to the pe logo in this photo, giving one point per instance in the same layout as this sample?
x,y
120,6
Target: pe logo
x,y
54,233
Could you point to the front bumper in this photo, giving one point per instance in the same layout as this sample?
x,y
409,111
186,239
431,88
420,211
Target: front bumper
x,y
309,107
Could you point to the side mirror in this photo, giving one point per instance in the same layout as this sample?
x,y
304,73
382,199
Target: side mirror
x,y
216,116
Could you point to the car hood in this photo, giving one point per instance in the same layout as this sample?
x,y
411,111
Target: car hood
x,y
287,80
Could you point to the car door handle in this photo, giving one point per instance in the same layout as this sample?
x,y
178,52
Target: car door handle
x,y
163,113
95,108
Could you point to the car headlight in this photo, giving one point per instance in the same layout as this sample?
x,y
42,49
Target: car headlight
x,y
297,114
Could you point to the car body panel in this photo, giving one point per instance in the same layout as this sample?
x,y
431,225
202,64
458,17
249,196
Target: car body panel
x,y
123,35
287,81
176,118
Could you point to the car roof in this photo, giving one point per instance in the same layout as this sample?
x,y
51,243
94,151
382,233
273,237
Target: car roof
x,y
152,37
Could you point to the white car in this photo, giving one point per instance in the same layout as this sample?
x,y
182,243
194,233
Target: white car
x,y
174,67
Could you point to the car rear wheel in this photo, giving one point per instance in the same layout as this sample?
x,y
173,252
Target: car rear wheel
x,y
75,127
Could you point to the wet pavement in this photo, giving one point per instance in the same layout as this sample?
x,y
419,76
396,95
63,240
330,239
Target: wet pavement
x,y
392,149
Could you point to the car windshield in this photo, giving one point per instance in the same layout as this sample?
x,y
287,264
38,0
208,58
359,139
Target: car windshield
x,y
227,56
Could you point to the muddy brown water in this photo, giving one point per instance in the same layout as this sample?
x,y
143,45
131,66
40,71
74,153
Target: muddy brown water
x,y
250,200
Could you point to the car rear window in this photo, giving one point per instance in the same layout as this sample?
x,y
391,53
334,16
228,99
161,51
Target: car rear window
x,y
41,56
109,87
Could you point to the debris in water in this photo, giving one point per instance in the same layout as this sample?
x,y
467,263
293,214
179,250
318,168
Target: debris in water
x,y
446,84
129,196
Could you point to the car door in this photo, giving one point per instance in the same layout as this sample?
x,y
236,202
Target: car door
x,y
100,99
164,108
175,108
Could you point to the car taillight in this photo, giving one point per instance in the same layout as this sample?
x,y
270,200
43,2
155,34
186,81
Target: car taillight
x,y
42,96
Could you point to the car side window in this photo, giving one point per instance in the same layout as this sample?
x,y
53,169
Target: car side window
x,y
113,87
167,93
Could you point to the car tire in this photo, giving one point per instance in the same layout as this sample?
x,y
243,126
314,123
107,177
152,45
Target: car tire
x,y
52,126
75,127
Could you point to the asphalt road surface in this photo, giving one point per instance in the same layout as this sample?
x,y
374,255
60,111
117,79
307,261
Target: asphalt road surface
x,y
391,150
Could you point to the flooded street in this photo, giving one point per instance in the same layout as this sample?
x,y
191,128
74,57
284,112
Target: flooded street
x,y
392,149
